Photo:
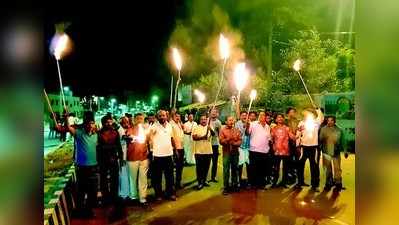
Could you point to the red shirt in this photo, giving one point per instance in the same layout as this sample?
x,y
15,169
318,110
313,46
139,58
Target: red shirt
x,y
136,151
280,137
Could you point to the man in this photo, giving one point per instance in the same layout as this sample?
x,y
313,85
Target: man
x,y
178,137
252,116
137,157
293,161
332,142
230,139
86,164
215,125
308,130
124,174
188,141
243,158
259,151
203,150
110,156
280,137
162,144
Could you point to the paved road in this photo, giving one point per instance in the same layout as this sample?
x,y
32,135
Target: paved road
x,y
276,206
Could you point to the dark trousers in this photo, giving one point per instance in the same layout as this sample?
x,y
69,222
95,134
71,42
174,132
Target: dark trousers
x,y
109,182
309,152
293,162
87,181
202,162
215,156
179,163
260,165
230,163
163,165
277,160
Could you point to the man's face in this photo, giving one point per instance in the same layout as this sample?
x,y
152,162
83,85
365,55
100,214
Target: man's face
x,y
214,113
330,122
262,117
90,126
125,122
268,119
162,117
292,113
252,116
177,118
280,119
203,120
230,122
190,117
108,123
139,119
151,119
243,117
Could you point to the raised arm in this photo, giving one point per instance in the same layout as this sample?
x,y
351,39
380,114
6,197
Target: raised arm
x,y
320,116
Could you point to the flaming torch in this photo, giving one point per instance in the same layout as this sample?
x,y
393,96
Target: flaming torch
x,y
178,63
59,47
297,68
224,50
200,95
252,97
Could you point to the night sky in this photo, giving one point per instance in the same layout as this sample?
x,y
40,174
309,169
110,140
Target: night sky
x,y
117,48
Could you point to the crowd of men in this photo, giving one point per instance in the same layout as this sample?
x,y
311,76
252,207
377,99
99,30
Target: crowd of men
x,y
135,149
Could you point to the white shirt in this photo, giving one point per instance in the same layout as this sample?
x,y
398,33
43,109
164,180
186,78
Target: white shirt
x,y
122,132
310,130
188,126
259,137
161,139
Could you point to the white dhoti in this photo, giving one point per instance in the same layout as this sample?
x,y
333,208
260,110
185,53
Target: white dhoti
x,y
124,182
188,149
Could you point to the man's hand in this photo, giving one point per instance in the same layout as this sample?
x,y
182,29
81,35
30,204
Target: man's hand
x,y
346,155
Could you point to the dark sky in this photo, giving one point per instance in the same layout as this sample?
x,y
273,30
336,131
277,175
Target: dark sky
x,y
116,47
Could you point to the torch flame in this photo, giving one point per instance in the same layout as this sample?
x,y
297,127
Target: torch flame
x,y
240,76
224,47
141,134
59,44
309,124
297,65
252,95
177,58
200,95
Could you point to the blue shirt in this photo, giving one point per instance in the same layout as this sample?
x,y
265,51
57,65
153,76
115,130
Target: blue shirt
x,y
245,138
85,148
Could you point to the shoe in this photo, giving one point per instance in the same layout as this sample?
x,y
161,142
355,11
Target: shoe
x,y
274,185
283,185
225,191
298,187
158,199
213,180
315,189
338,187
327,188
206,184
173,198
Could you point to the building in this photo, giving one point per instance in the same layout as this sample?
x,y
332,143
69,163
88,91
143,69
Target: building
x,y
72,102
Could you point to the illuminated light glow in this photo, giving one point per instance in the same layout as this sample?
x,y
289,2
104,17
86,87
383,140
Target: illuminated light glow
x,y
252,95
59,44
310,124
177,58
224,47
200,95
297,65
240,76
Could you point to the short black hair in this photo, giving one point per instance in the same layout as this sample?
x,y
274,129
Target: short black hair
x,y
105,118
88,117
332,117
278,114
289,109
138,114
242,112
253,112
